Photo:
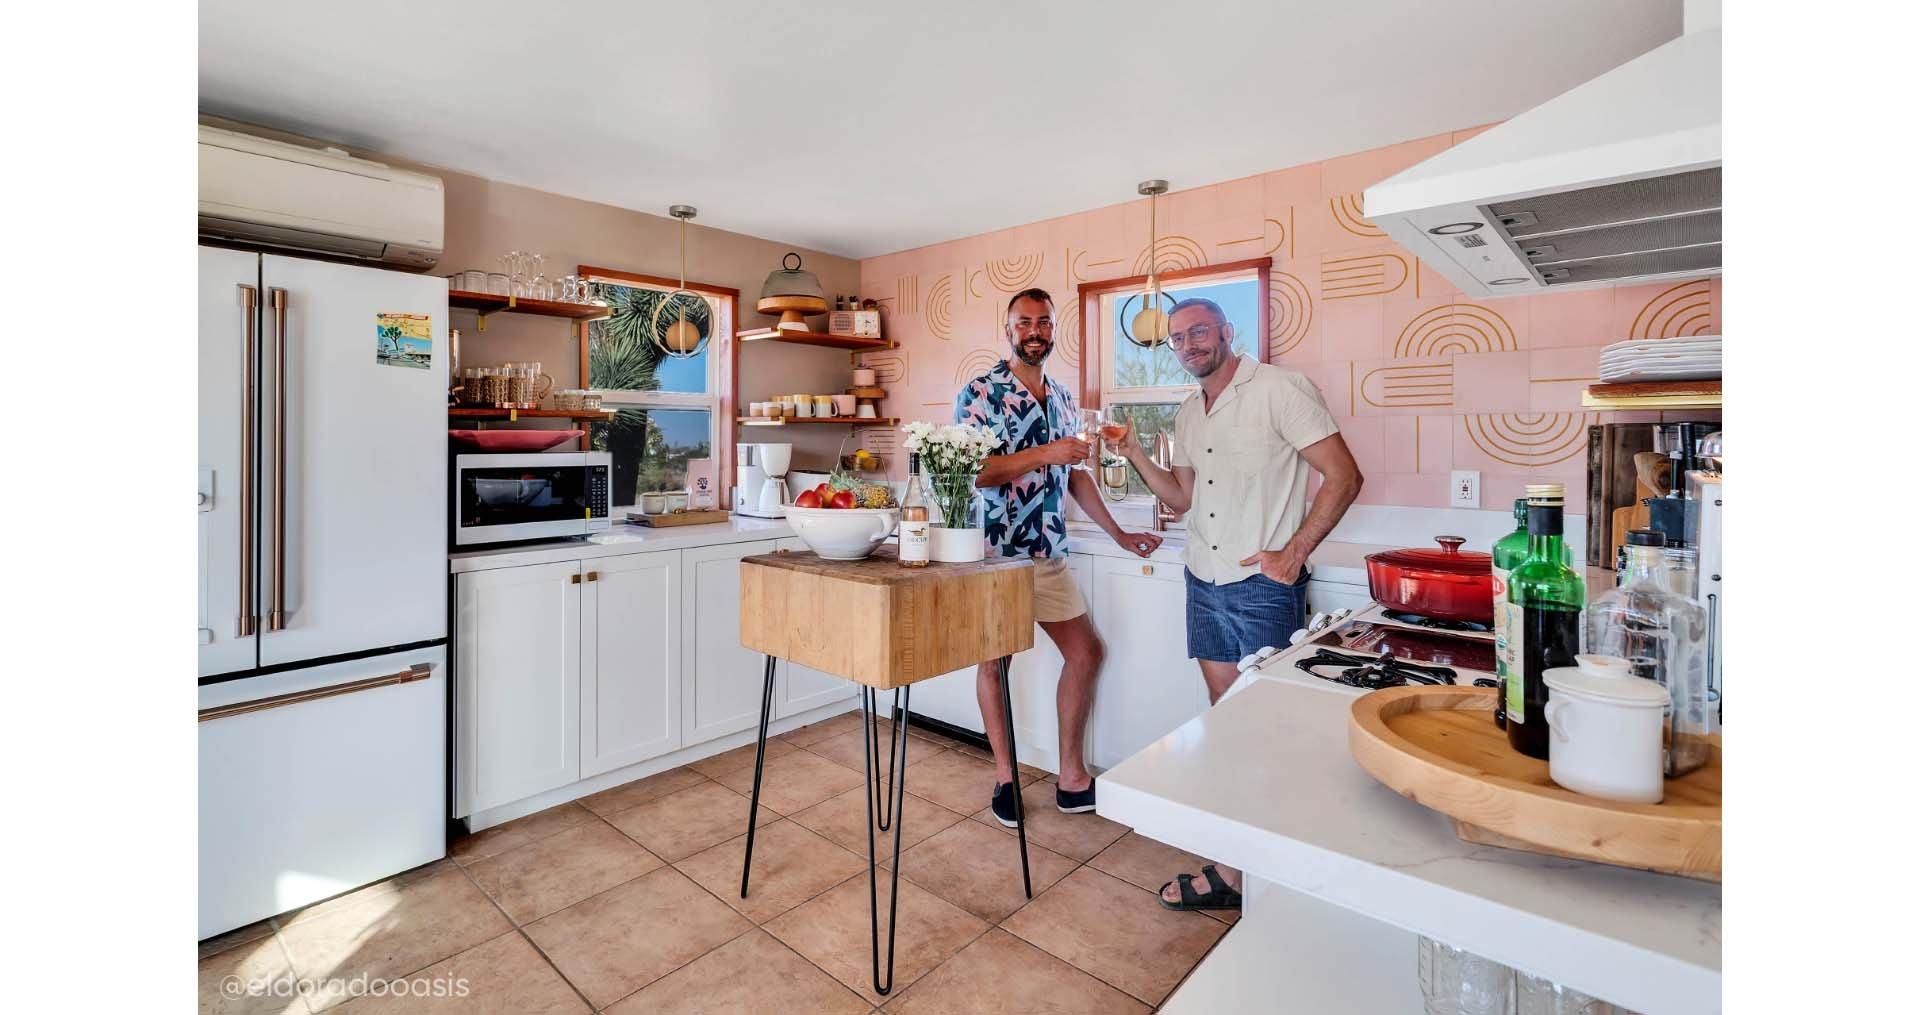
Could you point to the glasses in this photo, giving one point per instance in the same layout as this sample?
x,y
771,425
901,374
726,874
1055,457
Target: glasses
x,y
1201,333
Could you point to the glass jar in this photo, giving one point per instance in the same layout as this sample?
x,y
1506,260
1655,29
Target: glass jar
x,y
1662,635
955,500
1457,982
1536,996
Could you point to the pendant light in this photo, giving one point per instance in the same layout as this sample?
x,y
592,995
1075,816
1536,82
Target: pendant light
x,y
1148,327
678,335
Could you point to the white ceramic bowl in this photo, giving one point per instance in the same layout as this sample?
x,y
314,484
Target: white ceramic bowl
x,y
842,533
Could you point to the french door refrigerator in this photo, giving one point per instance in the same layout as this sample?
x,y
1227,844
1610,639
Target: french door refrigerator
x,y
322,580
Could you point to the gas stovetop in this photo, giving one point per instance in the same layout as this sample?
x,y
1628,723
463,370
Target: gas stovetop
x,y
1380,670
1435,623
1376,649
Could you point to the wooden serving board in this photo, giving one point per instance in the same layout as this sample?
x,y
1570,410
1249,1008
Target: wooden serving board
x,y
680,518
1438,747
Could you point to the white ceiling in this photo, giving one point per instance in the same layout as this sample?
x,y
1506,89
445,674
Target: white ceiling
x,y
863,127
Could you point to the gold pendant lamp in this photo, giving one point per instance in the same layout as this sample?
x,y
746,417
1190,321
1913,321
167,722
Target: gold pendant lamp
x,y
1148,327
679,335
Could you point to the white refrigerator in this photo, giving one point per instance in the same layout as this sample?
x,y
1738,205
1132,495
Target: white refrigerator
x,y
322,580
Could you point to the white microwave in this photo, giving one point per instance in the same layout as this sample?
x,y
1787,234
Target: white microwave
x,y
549,495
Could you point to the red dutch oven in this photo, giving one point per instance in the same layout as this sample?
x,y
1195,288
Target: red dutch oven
x,y
1446,583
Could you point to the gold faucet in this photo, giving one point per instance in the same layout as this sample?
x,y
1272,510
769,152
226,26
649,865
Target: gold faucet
x,y
1163,457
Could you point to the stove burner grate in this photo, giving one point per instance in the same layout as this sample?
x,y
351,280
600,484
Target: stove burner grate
x,y
1416,620
1376,672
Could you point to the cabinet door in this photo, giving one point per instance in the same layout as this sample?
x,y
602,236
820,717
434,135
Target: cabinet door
x,y
720,680
517,683
1326,597
629,660
225,326
800,688
1150,686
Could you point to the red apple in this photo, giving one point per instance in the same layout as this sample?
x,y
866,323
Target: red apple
x,y
807,499
843,499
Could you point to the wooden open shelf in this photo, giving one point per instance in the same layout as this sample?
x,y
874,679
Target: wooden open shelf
x,y
487,304
788,420
852,343
484,413
1653,395
867,392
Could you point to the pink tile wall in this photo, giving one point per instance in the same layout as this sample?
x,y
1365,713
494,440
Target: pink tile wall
x,y
1422,380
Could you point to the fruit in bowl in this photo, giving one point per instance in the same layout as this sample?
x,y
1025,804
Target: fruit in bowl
x,y
841,533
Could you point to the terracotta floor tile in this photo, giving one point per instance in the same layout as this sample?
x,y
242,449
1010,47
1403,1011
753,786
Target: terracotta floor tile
x,y
740,757
257,965
823,729
849,750
834,932
1116,932
241,935
1080,836
752,973
790,866
560,870
364,895
844,820
1029,774
914,730
794,782
1148,863
1000,973
393,934
953,780
978,869
639,791
681,824
504,976
518,832
619,941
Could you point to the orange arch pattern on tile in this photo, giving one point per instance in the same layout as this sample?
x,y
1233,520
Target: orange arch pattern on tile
x,y
1684,309
1530,440
975,363
1427,386
1066,333
1457,327
887,367
1012,274
1284,231
940,308
1290,313
1343,278
1172,253
906,295
1349,214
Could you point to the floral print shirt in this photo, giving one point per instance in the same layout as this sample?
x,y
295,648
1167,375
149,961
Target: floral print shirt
x,y
1023,517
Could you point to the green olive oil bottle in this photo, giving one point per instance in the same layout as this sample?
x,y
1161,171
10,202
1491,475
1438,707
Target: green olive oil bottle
x,y
1547,595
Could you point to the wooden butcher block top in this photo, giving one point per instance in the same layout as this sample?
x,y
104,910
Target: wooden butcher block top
x,y
880,624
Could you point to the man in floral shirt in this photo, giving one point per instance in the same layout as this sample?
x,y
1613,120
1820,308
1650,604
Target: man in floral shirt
x,y
1035,418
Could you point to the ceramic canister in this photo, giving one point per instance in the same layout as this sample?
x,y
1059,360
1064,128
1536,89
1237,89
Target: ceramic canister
x,y
1606,726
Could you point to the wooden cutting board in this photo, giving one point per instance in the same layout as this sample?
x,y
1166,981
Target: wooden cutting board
x,y
680,518
1438,747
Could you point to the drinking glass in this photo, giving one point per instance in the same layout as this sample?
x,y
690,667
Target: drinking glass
x,y
1087,423
538,288
1457,982
499,284
1537,996
1117,426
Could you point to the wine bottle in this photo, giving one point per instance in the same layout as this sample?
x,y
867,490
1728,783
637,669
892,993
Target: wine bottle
x,y
916,535
1547,594
1507,555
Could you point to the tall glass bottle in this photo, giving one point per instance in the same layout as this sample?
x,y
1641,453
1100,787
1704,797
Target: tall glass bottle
x,y
1507,555
916,535
1662,635
1548,594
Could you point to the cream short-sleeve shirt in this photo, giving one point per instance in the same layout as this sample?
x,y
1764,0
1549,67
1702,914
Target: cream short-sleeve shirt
x,y
1249,480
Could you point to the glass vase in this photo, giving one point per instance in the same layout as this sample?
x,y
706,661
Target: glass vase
x,y
955,500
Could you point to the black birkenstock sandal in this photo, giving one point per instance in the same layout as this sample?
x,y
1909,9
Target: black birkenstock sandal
x,y
1219,894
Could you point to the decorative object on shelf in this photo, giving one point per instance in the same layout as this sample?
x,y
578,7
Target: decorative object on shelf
x,y
951,457
1147,327
793,294
1113,476
865,378
680,325
861,323
513,440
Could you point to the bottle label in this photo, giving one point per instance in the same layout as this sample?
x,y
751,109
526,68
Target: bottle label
x,y
1502,623
916,539
1514,683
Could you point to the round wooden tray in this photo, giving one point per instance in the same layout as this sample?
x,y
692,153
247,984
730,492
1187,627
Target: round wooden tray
x,y
1438,747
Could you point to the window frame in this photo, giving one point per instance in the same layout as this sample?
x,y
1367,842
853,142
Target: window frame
x,y
723,368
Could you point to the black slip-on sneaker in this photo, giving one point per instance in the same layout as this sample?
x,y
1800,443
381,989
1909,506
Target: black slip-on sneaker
x,y
1003,805
1074,802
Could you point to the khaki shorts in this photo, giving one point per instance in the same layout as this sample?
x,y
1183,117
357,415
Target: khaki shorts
x,y
1056,596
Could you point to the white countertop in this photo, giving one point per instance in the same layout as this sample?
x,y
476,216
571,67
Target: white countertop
x,y
1264,781
620,539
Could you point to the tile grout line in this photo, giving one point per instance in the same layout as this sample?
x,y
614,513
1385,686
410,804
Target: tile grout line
x,y
531,943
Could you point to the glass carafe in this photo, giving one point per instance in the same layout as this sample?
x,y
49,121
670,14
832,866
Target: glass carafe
x,y
1663,637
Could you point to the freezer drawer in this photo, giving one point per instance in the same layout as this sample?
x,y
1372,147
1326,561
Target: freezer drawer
x,y
317,781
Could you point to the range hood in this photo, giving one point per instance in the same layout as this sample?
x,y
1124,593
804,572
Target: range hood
x,y
1615,182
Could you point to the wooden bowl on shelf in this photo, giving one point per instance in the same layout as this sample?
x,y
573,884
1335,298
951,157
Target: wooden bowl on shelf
x,y
793,310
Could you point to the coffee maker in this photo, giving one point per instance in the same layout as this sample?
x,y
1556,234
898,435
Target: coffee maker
x,y
1704,528
760,487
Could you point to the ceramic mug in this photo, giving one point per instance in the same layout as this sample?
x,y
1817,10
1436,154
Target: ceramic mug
x,y
653,503
866,412
803,408
864,378
843,405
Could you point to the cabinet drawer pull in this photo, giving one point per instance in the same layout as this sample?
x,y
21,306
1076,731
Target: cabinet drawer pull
x,y
418,671
593,576
574,578
1146,569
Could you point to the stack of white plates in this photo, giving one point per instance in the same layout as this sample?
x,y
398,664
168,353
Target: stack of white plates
x,y
1661,359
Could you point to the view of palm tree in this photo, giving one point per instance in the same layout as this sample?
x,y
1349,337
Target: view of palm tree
x,y
650,447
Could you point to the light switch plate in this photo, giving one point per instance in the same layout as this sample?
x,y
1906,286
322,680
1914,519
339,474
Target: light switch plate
x,y
1465,489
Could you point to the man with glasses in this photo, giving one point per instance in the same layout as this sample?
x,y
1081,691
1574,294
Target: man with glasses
x,y
1242,446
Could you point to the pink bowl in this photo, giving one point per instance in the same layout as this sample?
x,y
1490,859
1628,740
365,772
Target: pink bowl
x,y
512,440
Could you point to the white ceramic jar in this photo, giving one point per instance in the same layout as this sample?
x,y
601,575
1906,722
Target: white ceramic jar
x,y
1606,726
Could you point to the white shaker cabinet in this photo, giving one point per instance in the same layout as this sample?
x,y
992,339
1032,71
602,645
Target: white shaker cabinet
x,y
721,681
517,696
799,688
1149,686
630,660
1326,597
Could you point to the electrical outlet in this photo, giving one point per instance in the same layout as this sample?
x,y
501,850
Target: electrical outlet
x,y
1465,490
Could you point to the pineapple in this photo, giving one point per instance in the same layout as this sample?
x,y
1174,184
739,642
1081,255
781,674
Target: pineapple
x,y
876,495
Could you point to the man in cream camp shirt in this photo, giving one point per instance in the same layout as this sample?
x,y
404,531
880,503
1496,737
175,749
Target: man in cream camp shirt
x,y
1242,446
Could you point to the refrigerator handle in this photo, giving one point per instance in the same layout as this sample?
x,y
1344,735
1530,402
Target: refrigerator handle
x,y
249,314
277,615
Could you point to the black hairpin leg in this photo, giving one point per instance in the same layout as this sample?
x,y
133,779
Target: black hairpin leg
x,y
870,748
1013,755
759,762
880,790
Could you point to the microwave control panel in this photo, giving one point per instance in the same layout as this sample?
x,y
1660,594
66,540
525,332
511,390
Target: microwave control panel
x,y
597,506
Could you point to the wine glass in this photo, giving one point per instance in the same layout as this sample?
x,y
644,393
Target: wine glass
x,y
1088,423
539,288
1117,426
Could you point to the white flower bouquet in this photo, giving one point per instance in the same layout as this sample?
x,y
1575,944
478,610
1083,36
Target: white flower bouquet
x,y
951,456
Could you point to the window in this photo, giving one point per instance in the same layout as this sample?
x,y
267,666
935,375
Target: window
x,y
666,407
1147,385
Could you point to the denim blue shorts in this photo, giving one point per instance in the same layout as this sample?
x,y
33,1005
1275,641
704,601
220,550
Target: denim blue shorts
x,y
1226,623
